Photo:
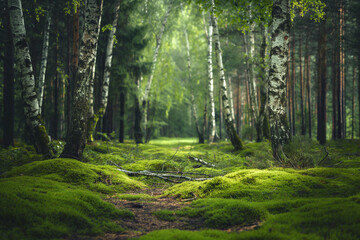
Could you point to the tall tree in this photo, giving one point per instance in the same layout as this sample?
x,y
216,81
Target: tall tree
x,y
106,78
229,121
302,88
23,60
76,135
8,91
145,100
280,134
321,84
308,84
212,124
44,56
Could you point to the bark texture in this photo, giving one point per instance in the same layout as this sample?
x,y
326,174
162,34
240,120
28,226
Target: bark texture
x,y
8,91
212,123
229,121
44,56
321,85
107,71
76,135
280,134
23,60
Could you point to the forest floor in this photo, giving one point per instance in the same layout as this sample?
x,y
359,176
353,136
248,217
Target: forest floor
x,y
314,195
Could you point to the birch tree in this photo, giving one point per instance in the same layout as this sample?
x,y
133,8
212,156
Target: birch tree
x,y
212,124
44,56
107,70
23,61
145,100
280,134
76,135
229,121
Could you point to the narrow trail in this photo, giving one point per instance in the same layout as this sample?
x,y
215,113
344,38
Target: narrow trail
x,y
144,221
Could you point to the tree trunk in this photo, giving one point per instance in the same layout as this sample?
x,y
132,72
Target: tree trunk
x,y
193,103
8,91
23,60
321,86
293,88
341,120
302,91
138,135
122,117
231,101
280,133
106,78
54,121
263,130
229,121
308,85
289,89
353,102
76,136
44,56
145,100
238,108
212,124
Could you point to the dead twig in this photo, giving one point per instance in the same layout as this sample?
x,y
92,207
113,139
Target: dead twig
x,y
166,177
201,161
190,199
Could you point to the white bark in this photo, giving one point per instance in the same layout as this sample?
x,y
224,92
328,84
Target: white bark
x,y
156,54
109,54
280,133
231,101
44,56
23,60
212,124
229,121
76,136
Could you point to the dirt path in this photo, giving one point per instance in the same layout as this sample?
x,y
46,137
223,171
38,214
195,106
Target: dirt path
x,y
144,220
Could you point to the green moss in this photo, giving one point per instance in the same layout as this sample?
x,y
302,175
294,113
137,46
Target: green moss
x,y
259,185
152,165
165,215
105,179
225,213
38,208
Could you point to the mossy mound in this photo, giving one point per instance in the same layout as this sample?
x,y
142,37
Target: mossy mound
x,y
165,215
152,165
104,179
224,213
259,185
134,197
175,234
39,208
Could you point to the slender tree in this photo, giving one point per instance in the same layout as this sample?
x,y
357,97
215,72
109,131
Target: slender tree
x,y
308,84
76,135
8,91
321,84
280,133
302,89
23,60
106,78
44,56
229,121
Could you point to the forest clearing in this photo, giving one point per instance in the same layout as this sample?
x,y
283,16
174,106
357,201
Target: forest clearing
x,y
247,197
172,119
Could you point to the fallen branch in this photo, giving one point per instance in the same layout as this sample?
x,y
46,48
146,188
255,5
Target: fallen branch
x,y
166,177
190,199
201,161
327,154
182,173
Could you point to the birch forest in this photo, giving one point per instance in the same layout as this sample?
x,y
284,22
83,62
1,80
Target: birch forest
x,y
170,119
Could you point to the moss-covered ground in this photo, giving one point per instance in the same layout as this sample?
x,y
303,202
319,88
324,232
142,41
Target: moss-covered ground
x,y
249,196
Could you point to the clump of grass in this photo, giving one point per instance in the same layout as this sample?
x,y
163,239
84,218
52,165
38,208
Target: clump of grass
x,y
104,179
225,213
165,215
39,208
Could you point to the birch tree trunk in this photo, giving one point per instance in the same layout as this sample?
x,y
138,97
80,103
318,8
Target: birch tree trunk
x,y
106,79
23,60
8,90
193,103
263,122
212,124
280,134
229,121
76,135
145,101
44,56
231,101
